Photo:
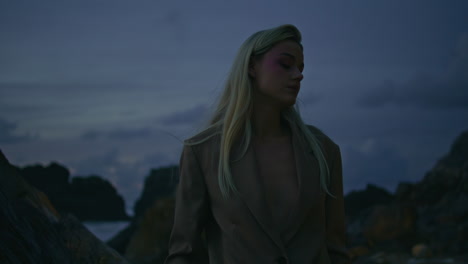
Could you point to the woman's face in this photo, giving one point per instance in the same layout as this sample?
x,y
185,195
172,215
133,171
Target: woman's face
x,y
277,74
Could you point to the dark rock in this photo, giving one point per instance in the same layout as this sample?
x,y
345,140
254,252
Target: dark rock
x,y
120,241
421,251
358,251
149,243
46,177
458,155
433,211
404,191
442,198
357,201
88,198
159,184
390,226
96,199
449,175
33,231
390,222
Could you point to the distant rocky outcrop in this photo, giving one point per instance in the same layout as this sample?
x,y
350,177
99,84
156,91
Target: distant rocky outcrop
x,y
160,183
96,199
358,202
88,198
427,218
145,240
441,201
149,242
34,232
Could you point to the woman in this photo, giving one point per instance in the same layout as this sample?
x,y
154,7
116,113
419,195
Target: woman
x,y
258,185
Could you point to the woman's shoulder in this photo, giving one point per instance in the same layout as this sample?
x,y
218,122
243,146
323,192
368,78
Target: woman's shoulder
x,y
324,139
203,137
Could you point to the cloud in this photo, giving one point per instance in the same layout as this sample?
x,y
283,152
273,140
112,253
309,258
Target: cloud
x,y
118,134
130,133
372,162
186,117
446,90
123,157
8,135
91,135
424,91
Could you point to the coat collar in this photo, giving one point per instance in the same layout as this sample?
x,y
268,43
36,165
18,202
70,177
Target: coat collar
x,y
245,175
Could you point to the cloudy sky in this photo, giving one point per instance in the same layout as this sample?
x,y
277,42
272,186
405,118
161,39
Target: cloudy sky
x,y
111,87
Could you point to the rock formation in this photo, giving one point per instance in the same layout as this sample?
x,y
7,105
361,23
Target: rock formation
x,y
441,199
145,240
34,232
88,198
432,212
159,184
149,242
360,201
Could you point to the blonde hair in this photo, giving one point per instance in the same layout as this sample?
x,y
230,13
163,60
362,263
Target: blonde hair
x,y
232,117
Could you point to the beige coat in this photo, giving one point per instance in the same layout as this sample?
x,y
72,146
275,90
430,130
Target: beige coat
x,y
239,229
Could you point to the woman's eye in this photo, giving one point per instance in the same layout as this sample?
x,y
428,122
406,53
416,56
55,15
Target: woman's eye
x,y
285,65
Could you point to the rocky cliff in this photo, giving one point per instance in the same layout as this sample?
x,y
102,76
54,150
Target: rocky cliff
x,y
32,231
145,240
88,198
428,218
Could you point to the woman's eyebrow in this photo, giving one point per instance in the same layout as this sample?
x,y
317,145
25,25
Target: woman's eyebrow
x,y
288,54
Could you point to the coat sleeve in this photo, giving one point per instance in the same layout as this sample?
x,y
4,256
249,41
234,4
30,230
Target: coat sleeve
x,y
191,210
336,229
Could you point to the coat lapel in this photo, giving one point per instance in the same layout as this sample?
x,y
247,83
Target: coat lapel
x,y
308,174
246,178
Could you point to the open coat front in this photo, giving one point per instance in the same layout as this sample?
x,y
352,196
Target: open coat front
x,y
239,229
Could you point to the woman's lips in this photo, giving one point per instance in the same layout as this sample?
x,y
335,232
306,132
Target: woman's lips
x,y
294,87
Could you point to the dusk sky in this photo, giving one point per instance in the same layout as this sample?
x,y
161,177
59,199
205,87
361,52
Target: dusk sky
x,y
112,87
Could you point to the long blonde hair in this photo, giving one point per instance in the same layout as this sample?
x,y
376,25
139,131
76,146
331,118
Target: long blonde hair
x,y
232,117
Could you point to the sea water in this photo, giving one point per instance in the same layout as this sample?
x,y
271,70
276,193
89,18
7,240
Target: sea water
x,y
105,230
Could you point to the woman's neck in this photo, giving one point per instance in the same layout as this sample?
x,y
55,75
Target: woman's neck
x,y
267,122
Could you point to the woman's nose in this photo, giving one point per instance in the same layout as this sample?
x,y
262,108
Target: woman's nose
x,y
298,75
